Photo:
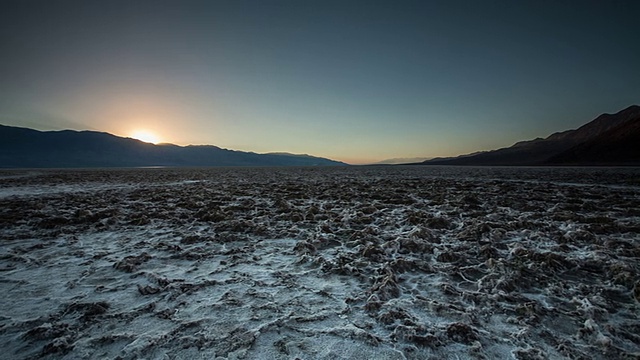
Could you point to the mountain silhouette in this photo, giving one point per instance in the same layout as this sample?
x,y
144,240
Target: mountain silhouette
x,y
609,139
617,146
28,148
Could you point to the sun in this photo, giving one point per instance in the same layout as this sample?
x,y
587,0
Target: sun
x,y
146,136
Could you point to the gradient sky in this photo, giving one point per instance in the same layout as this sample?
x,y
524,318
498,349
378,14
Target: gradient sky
x,y
358,81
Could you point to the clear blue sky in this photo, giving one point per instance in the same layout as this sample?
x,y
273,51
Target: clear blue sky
x,y
358,81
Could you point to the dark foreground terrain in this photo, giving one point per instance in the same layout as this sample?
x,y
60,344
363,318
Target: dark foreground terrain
x,y
321,263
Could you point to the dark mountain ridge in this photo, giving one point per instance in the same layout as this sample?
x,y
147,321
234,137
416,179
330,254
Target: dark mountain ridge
x,y
28,148
609,139
617,146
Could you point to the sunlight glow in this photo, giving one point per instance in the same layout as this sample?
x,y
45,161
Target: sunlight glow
x,y
146,136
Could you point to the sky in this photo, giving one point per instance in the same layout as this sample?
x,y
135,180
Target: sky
x,y
357,81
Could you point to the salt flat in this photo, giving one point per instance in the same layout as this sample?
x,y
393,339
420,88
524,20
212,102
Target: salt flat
x,y
320,263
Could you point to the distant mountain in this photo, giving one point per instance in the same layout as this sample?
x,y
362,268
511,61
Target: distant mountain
x,y
28,148
395,161
610,139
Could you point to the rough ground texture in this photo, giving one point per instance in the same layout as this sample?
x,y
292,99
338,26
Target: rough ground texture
x,y
321,263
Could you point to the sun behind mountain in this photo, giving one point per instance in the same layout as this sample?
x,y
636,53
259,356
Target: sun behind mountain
x,y
145,136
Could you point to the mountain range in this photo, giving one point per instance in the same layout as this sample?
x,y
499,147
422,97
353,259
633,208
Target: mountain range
x,y
609,139
396,161
28,148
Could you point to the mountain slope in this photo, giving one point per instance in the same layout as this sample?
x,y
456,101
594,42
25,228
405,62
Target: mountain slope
x,y
617,146
582,143
22,147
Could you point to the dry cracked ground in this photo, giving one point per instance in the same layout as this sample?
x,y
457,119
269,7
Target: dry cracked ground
x,y
320,263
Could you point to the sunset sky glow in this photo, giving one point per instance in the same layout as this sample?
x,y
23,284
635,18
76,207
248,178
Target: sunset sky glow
x,y
358,81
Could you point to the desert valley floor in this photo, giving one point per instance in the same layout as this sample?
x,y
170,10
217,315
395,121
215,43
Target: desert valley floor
x,y
320,263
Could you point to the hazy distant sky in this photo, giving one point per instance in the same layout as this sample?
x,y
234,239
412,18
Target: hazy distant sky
x,y
358,81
